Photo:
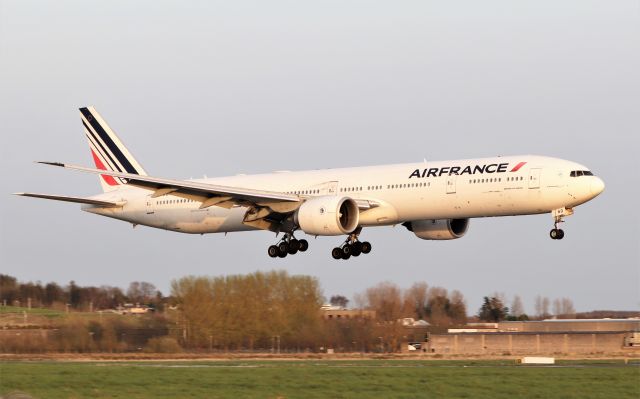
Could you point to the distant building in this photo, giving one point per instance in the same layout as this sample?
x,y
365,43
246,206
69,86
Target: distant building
x,y
329,312
566,336
129,308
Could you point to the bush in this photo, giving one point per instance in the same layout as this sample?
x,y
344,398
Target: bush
x,y
162,345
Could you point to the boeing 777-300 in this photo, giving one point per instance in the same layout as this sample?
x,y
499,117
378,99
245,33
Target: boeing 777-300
x,y
434,200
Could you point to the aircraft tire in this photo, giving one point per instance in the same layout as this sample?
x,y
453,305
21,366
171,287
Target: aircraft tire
x,y
283,248
294,245
273,251
304,245
366,247
346,252
356,250
336,253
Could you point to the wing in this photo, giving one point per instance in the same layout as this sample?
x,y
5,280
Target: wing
x,y
78,200
162,186
267,209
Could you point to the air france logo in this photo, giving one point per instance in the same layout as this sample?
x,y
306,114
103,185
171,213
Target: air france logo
x,y
467,170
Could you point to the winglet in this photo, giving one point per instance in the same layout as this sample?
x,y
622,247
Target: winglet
x,y
52,163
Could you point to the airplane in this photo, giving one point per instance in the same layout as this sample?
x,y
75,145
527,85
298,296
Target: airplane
x,y
433,200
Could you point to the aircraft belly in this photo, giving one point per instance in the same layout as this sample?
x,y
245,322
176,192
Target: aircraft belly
x,y
208,220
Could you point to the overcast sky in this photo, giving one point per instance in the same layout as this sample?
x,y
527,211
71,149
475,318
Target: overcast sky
x,y
221,88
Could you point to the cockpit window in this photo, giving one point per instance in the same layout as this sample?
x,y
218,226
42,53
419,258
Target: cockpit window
x,y
576,173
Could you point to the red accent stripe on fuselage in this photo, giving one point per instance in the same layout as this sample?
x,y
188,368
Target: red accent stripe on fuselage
x,y
518,166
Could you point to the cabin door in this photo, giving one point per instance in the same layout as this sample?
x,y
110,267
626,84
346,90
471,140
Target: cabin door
x,y
534,178
329,188
451,184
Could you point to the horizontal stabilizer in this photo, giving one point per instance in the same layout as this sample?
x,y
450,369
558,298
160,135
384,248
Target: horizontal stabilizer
x,y
79,200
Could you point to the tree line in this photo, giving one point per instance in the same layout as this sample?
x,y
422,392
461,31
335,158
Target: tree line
x,y
260,311
52,295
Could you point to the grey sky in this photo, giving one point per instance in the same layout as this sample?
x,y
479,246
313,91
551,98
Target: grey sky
x,y
221,88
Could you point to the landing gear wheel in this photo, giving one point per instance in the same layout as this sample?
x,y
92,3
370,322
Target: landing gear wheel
x,y
556,234
283,247
558,216
356,250
336,253
273,251
304,245
282,254
366,247
294,244
346,252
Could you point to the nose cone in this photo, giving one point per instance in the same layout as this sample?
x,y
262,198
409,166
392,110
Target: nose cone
x,y
597,186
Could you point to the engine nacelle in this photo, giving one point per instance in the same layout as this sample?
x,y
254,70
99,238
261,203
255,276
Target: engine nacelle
x,y
439,229
328,216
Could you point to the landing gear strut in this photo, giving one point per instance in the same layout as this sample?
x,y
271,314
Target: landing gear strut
x,y
351,247
288,245
558,215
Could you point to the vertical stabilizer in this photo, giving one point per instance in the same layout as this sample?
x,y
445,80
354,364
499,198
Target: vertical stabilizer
x,y
107,150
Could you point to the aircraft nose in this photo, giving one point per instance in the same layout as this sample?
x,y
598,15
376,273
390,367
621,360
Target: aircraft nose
x,y
597,186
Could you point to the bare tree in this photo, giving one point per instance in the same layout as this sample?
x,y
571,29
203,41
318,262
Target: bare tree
x,y
386,299
567,307
141,292
542,306
545,306
563,307
415,300
437,305
517,309
457,307
557,307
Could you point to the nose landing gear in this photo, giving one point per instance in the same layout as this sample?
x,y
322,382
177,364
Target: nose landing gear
x,y
558,215
351,247
556,234
288,245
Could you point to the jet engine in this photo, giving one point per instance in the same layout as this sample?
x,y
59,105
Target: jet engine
x,y
328,216
438,229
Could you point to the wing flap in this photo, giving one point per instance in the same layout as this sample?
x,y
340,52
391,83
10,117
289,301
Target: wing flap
x,y
78,200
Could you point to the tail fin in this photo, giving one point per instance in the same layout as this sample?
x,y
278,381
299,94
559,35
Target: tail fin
x,y
107,150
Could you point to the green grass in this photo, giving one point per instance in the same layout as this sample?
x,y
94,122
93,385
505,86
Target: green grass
x,y
6,310
310,379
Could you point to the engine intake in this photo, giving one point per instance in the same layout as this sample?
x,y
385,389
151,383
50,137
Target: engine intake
x,y
328,216
438,229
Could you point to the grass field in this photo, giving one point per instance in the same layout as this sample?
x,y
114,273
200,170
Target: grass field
x,y
310,379
5,310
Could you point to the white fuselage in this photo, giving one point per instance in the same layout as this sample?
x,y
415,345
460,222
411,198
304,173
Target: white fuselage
x,y
402,192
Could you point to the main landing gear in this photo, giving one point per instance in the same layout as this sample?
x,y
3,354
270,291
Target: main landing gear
x,y
558,215
288,245
351,247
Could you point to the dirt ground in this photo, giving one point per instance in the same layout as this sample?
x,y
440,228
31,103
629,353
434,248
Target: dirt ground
x,y
631,355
